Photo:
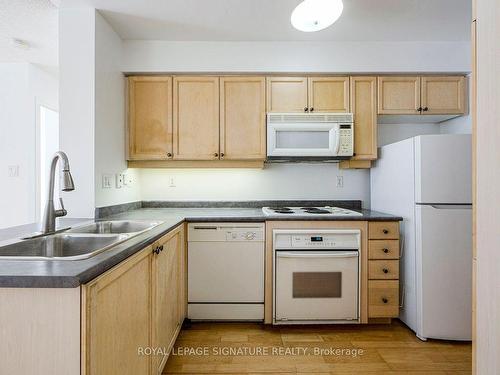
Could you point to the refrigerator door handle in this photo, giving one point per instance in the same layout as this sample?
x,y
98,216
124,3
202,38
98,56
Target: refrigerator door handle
x,y
451,206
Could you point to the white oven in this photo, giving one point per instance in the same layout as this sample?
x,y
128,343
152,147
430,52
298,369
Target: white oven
x,y
316,276
313,136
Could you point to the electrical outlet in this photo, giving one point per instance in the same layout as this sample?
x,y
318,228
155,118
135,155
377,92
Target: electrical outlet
x,y
171,182
107,181
340,181
13,171
127,179
119,180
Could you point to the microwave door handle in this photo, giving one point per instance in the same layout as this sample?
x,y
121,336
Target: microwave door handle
x,y
336,254
336,140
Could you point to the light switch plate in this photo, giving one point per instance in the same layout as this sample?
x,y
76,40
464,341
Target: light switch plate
x,y
340,181
13,171
107,181
127,179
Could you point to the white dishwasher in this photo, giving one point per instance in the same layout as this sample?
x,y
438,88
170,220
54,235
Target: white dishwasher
x,y
226,271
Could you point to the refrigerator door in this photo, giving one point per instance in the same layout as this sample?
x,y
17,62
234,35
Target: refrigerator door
x,y
444,271
443,168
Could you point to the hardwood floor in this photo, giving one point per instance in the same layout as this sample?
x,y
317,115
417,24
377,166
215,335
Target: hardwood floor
x,y
233,348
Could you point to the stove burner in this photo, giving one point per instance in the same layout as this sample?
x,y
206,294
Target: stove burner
x,y
315,210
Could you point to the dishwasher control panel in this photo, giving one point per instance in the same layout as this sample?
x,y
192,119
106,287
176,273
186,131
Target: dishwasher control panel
x,y
226,232
244,235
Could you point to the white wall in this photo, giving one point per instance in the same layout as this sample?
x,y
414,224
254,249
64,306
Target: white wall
x,y
276,181
23,87
77,99
163,56
390,133
110,117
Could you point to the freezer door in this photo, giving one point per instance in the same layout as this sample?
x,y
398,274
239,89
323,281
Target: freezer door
x,y
443,168
444,271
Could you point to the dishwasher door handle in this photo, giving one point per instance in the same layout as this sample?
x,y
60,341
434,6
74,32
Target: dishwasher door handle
x,y
325,254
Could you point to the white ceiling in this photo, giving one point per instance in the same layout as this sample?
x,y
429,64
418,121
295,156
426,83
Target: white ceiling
x,y
266,20
34,21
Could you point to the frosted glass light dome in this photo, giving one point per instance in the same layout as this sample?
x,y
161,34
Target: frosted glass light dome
x,y
315,15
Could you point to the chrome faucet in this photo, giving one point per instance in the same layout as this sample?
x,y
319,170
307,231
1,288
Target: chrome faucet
x,y
50,214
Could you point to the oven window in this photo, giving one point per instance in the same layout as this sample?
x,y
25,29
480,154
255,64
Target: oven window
x,y
317,284
302,139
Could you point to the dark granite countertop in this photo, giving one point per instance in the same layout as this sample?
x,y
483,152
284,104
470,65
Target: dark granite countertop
x,y
70,274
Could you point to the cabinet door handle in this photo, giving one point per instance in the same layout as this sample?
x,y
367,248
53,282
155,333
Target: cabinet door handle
x,y
306,109
384,300
216,154
425,109
221,154
161,248
385,250
156,250
385,270
169,154
385,231
312,109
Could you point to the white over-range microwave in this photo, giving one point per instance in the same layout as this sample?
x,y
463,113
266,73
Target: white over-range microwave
x,y
318,136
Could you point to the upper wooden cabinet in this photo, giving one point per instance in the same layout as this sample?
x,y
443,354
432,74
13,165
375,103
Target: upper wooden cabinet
x,y
243,118
328,94
196,118
426,95
443,95
307,94
363,91
398,95
150,118
286,94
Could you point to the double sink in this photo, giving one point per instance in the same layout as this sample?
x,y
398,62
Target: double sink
x,y
76,243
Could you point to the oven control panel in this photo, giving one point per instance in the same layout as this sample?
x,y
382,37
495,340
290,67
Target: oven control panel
x,y
348,239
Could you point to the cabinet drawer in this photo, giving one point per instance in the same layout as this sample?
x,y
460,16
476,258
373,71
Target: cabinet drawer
x,y
383,230
383,269
383,299
383,249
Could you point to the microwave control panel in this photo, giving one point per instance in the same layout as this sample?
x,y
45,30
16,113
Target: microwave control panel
x,y
346,140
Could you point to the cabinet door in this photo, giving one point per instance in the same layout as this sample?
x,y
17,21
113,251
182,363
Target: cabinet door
x,y
287,94
443,95
364,107
196,118
149,118
166,291
328,94
116,319
398,95
243,118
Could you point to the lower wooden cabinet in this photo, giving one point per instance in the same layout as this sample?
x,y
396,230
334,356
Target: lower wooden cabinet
x,y
383,298
137,306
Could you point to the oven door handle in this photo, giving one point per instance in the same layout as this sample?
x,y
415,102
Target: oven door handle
x,y
309,254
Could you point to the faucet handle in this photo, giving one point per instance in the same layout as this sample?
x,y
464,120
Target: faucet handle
x,y
62,211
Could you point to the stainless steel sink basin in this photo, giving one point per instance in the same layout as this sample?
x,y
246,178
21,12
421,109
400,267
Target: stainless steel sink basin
x,y
118,226
60,247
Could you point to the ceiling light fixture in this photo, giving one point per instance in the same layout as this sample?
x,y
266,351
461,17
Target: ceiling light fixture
x,y
315,15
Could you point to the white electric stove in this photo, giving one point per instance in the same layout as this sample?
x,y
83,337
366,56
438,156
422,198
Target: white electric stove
x,y
309,211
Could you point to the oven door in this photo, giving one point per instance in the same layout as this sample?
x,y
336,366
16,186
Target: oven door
x,y
316,286
303,139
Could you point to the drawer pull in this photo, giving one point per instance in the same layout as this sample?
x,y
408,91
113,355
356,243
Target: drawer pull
x,y
385,231
385,250
384,300
385,270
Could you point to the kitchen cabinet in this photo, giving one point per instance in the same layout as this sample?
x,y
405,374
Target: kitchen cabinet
x,y
308,94
443,95
140,303
168,294
363,90
196,118
243,118
328,94
398,95
383,269
116,318
149,118
287,94
421,95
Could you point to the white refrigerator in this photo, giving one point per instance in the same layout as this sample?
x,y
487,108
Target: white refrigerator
x,y
428,181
